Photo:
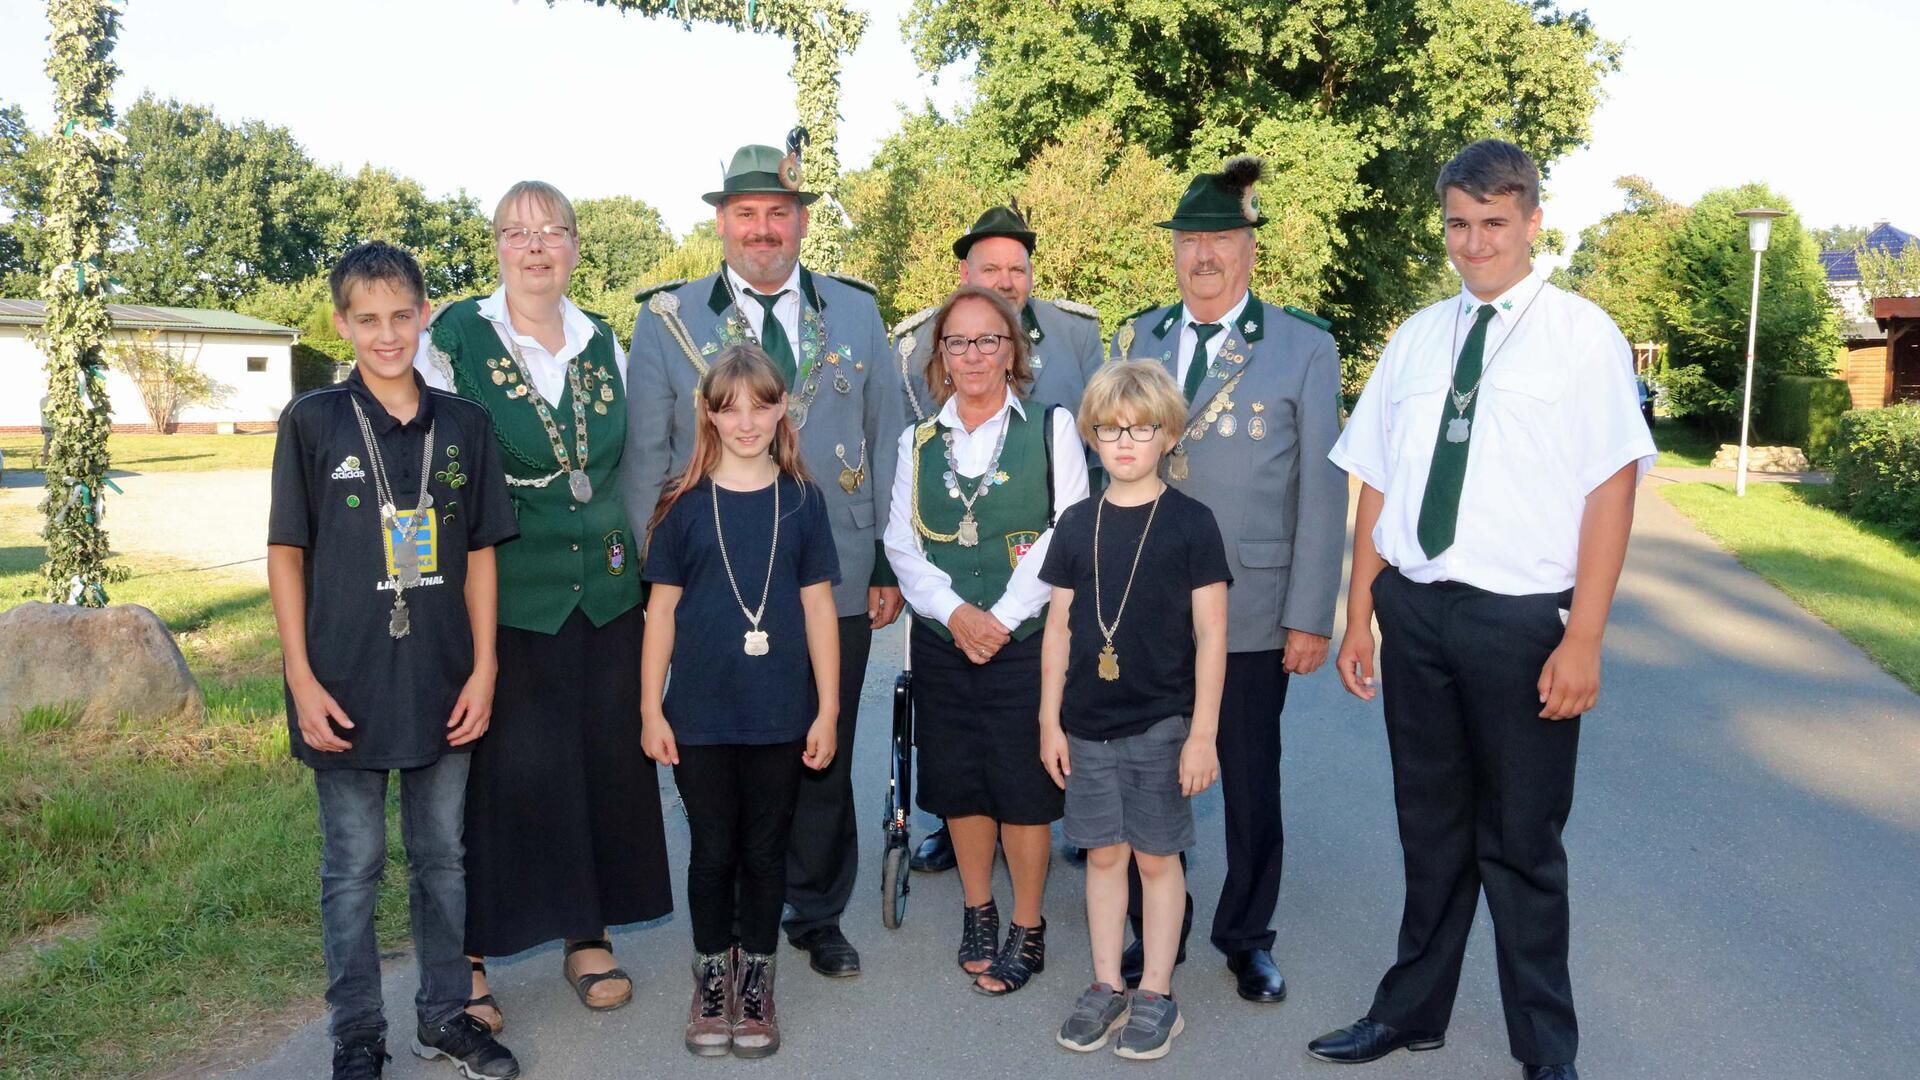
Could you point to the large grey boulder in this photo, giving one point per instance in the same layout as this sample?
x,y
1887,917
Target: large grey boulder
x,y
1766,459
105,663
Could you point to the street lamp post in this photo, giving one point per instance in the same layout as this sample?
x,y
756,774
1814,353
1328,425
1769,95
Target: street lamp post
x,y
1759,231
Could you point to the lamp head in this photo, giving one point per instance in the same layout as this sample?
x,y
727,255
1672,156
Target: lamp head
x,y
1759,225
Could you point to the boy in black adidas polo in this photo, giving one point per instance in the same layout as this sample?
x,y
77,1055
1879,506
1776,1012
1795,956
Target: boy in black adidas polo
x,y
387,501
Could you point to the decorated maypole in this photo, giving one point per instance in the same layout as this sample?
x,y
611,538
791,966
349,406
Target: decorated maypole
x,y
76,332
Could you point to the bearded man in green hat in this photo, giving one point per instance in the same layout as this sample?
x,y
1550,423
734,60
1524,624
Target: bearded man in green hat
x,y
825,334
1263,385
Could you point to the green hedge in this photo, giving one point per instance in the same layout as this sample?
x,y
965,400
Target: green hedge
x,y
1805,412
312,368
1876,466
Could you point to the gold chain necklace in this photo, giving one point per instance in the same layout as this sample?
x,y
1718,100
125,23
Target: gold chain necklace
x,y
1110,660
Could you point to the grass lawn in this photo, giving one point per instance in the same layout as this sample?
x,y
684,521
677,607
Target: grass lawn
x,y
158,886
1681,444
162,453
1860,579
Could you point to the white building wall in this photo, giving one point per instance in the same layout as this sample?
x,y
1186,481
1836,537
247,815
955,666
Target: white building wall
x,y
250,396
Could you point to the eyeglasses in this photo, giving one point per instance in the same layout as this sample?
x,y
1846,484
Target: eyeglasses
x,y
1138,432
520,236
988,344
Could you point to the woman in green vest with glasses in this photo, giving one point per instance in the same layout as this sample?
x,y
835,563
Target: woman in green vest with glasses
x,y
563,831
974,501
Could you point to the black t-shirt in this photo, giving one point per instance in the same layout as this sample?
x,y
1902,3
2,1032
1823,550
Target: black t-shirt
x,y
716,693
1154,642
398,692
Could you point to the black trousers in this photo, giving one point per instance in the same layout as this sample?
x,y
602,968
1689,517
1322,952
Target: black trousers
x,y
1251,700
1482,786
739,802
824,855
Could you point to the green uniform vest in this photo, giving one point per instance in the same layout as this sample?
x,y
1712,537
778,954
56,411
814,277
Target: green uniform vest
x,y
569,554
1011,515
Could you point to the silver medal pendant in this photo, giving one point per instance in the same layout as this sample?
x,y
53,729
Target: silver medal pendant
x,y
1457,429
797,412
756,644
406,561
969,531
581,487
399,625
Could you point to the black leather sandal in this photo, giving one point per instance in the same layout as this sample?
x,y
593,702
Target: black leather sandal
x,y
979,935
583,983
1021,958
499,1023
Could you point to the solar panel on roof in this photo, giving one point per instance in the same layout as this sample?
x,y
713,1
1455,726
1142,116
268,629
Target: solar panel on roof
x,y
20,307
142,313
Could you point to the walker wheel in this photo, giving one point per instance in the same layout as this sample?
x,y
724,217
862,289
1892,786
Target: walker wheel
x,y
893,887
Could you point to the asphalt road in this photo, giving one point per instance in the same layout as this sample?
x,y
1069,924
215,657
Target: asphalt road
x,y
1745,849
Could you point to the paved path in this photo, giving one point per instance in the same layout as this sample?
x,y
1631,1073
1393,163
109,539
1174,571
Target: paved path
x,y
1745,858
213,521
1674,474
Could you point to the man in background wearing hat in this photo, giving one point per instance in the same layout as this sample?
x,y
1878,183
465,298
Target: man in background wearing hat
x,y
1065,337
825,333
1263,385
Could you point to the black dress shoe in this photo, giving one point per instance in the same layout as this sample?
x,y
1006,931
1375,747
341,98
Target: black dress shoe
x,y
1133,962
1549,1072
1258,975
828,951
1367,1040
934,854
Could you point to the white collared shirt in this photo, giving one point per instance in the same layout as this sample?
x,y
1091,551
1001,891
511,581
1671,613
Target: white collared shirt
x,y
549,370
786,309
1214,344
930,589
1557,415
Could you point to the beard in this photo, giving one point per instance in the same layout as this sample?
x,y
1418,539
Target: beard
x,y
762,264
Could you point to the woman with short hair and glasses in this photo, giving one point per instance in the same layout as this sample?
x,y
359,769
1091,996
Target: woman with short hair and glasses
x,y
974,501
563,825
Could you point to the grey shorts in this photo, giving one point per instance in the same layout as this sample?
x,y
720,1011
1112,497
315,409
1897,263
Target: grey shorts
x,y
1128,790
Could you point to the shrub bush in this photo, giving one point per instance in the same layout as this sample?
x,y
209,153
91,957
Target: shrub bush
x,y
1876,466
312,368
1805,412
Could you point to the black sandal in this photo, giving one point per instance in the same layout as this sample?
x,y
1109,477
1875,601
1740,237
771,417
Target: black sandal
x,y
979,935
486,1001
583,983
1021,958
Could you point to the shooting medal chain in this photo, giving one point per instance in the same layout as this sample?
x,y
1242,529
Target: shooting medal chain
x,y
1110,660
851,476
1459,428
577,481
806,373
969,531
406,550
756,640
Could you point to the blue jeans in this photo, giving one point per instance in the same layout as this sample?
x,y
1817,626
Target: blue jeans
x,y
353,852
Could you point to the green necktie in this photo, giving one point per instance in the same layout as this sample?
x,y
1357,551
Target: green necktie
x,y
1197,367
773,337
1440,505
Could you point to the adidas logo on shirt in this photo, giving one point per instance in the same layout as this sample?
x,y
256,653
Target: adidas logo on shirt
x,y
349,469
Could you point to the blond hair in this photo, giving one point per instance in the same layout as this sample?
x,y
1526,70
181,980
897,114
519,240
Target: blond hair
x,y
543,194
1019,368
1125,392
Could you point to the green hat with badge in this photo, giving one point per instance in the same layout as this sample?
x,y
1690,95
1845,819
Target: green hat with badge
x,y
999,221
1216,202
763,170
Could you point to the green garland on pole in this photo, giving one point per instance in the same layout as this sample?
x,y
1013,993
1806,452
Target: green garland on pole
x,y
84,149
822,32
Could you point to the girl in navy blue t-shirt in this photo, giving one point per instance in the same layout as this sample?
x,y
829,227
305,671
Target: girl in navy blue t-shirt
x,y
740,555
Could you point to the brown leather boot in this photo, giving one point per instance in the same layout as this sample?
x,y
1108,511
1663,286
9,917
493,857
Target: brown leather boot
x,y
709,1018
756,1031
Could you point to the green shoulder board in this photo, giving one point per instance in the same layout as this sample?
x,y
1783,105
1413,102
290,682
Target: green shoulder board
x,y
864,286
913,322
1308,317
641,296
1085,311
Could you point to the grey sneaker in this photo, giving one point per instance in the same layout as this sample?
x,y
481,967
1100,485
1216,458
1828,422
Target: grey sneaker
x,y
1152,1023
1099,1012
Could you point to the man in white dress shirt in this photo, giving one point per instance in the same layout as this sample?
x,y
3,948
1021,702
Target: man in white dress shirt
x,y
1499,444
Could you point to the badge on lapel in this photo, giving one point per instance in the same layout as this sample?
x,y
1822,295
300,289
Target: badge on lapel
x,y
616,542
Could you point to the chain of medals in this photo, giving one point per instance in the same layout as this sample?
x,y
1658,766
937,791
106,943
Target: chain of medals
x,y
406,550
577,481
969,531
851,476
1178,467
808,376
1459,428
1110,660
756,640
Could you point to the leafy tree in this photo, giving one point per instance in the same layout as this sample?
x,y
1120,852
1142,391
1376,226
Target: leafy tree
x,y
168,379
1711,272
621,238
305,305
1359,103
1622,261
1888,273
450,236
1840,237
23,182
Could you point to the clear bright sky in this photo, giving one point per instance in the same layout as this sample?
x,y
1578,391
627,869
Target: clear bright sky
x,y
479,93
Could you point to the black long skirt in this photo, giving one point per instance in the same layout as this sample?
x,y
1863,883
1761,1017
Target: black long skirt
x,y
977,729
564,834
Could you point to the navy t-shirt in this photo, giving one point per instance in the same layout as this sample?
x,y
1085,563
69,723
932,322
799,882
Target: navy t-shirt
x,y
1154,641
716,693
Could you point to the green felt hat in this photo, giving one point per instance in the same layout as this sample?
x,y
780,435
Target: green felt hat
x,y
1216,202
999,221
762,170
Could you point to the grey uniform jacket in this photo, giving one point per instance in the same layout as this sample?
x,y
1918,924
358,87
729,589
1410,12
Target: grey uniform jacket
x,y
1257,457
1066,352
856,407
